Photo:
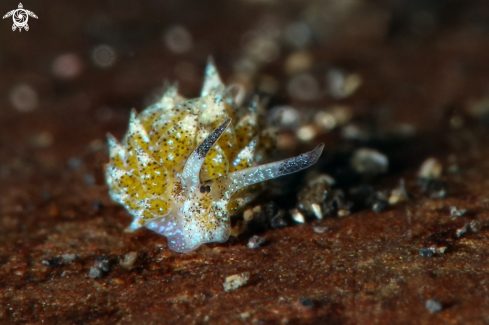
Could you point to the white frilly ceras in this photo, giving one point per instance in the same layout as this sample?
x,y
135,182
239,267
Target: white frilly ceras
x,y
186,165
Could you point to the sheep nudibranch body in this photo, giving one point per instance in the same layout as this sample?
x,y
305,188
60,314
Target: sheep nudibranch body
x,y
185,166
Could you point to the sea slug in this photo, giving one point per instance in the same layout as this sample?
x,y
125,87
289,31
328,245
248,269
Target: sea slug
x,y
185,166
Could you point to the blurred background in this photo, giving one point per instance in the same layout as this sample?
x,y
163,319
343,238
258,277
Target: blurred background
x,y
408,79
389,75
408,66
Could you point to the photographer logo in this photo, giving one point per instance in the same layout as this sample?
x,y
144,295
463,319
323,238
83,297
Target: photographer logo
x,y
20,17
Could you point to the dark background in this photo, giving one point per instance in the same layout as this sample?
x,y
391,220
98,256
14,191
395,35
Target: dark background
x,y
83,65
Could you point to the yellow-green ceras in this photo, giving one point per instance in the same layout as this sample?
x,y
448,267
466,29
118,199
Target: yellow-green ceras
x,y
185,165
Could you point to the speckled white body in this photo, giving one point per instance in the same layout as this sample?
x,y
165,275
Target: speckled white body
x,y
185,166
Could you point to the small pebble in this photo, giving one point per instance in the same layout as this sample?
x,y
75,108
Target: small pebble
x,y
325,120
440,194
235,281
456,212
52,262
248,214
379,206
129,260
306,302
369,162
257,210
342,84
436,188
334,117
320,229
475,226
431,168
428,178
284,117
356,132
343,208
312,196
95,273
321,178
316,208
426,252
68,257
278,221
306,133
297,216
441,250
342,114
462,231
399,194
103,264
434,305
255,242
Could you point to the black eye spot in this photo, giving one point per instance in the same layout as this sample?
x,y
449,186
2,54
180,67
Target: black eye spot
x,y
207,189
202,189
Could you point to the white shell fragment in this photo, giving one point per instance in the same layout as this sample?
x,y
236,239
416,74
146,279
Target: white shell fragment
x,y
462,230
369,162
431,168
129,260
399,194
235,281
316,208
255,242
475,226
297,216
434,305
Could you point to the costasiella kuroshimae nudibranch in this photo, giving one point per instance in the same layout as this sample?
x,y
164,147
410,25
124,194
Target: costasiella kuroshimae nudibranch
x,y
185,166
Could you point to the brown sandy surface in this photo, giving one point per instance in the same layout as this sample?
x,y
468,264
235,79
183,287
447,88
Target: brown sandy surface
x,y
423,64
